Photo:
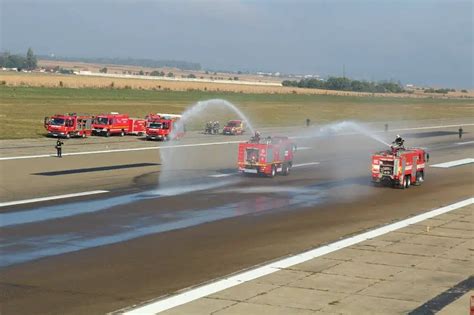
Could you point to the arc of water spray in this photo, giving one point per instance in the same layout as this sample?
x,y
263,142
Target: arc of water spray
x,y
201,106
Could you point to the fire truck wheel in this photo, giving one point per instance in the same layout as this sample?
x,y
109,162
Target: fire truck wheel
x,y
286,169
273,173
84,135
408,179
403,183
419,178
122,133
68,136
107,134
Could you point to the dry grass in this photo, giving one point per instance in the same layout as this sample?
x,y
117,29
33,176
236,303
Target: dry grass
x,y
75,81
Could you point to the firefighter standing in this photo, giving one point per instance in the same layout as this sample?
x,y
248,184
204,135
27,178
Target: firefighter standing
x,y
308,121
58,147
460,132
386,127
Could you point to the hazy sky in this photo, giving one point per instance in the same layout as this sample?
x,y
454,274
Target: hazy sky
x,y
415,41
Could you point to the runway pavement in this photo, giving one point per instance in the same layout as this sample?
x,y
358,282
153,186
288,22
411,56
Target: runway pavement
x,y
147,237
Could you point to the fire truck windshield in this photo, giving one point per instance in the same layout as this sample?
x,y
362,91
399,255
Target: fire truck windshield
x,y
102,120
57,121
232,124
155,125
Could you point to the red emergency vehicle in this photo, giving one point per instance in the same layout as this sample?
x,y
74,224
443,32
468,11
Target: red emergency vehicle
x,y
399,167
234,127
163,127
68,125
118,124
268,156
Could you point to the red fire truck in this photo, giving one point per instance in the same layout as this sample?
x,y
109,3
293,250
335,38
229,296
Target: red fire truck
x,y
234,127
269,156
68,125
115,123
163,127
399,167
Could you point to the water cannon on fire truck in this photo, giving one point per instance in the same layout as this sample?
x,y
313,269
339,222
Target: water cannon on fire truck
x,y
399,166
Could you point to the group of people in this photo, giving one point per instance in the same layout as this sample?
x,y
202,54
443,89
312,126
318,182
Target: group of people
x,y
212,127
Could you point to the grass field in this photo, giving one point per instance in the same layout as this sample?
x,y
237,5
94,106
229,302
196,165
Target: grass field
x,y
23,108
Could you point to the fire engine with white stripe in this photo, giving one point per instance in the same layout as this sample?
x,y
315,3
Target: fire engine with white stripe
x,y
399,167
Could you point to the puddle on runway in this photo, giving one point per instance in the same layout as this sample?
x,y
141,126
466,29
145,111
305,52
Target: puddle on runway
x,y
20,250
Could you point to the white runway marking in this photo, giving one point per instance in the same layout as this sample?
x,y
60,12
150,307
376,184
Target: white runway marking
x,y
454,163
118,150
303,148
188,145
306,164
20,202
245,276
222,175
467,142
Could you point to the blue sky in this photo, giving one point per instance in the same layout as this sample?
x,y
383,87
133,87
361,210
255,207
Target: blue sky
x,y
415,41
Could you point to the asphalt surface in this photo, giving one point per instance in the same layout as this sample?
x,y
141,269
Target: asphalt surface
x,y
183,218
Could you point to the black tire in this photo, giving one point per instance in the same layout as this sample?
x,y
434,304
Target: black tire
x,y
68,136
273,172
403,183
122,133
408,181
420,178
286,169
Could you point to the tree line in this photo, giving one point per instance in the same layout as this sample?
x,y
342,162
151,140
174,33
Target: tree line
x,y
28,62
346,84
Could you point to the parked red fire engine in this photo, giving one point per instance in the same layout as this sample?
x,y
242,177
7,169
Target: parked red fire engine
x,y
163,127
68,125
234,127
399,167
118,124
269,156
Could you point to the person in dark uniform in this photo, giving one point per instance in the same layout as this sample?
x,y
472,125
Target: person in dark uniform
x,y
59,148
308,121
460,132
386,127
398,142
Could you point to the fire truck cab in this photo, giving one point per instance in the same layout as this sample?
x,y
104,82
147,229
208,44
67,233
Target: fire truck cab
x,y
163,127
399,167
68,125
269,156
234,127
115,123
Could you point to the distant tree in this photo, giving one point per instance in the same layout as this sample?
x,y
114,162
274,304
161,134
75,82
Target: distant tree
x,y
103,70
156,73
207,72
141,72
31,62
191,76
464,91
170,75
236,78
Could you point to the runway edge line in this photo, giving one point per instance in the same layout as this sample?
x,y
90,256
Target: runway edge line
x,y
25,201
192,294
